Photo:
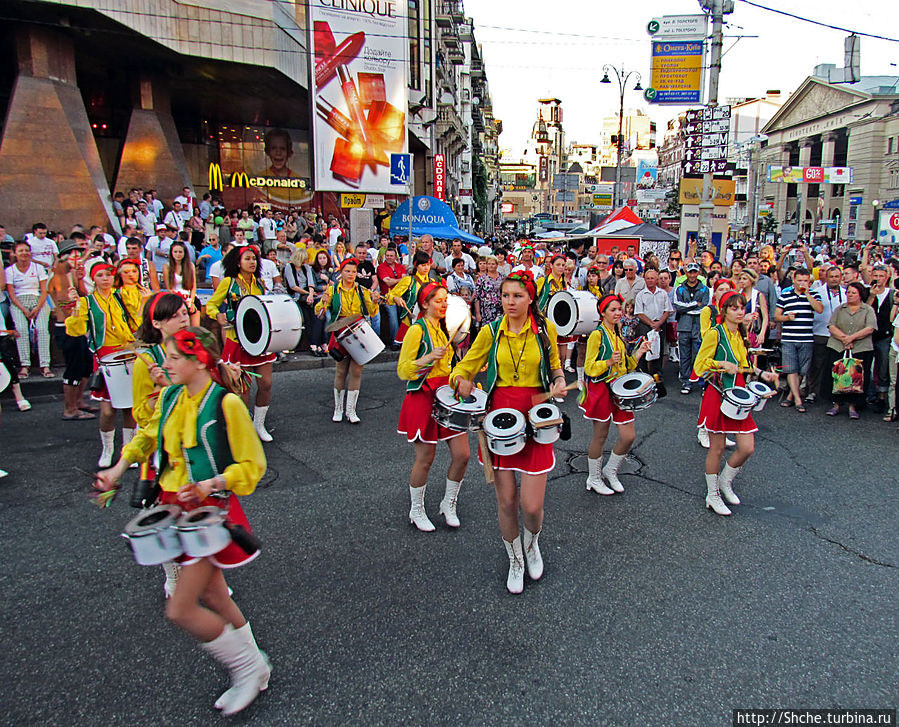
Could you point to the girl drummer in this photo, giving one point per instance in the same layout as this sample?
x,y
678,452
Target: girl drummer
x,y
131,291
548,285
344,299
241,267
593,286
109,326
607,359
724,353
190,472
405,292
425,362
522,361
707,319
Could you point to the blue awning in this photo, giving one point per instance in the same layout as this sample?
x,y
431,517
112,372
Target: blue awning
x,y
430,216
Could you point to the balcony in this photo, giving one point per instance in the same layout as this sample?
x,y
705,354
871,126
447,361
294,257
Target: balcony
x,y
450,37
456,56
466,31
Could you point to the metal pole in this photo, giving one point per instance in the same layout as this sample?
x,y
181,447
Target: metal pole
x,y
620,130
706,207
753,211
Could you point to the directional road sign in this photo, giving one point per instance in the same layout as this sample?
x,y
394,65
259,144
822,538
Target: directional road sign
x,y
400,168
704,167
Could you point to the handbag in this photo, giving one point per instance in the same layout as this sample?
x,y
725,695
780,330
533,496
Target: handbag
x,y
848,375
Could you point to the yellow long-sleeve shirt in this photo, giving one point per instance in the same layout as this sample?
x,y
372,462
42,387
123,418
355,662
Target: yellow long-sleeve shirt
x,y
396,293
133,297
406,368
705,358
596,368
249,458
705,320
221,292
523,344
117,330
143,388
350,305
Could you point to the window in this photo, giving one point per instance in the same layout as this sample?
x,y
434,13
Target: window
x,y
890,145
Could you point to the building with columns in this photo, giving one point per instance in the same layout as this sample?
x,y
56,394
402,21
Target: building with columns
x,y
834,125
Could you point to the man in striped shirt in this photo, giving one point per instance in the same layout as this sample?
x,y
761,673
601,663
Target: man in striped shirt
x,y
795,311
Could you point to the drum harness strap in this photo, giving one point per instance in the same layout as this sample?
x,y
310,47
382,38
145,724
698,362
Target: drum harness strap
x,y
96,320
493,367
424,349
235,293
726,381
336,304
606,349
546,291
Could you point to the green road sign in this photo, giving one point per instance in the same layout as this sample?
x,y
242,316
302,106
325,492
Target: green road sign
x,y
649,94
652,27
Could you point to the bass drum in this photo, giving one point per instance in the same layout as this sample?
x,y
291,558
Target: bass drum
x,y
268,324
573,312
458,318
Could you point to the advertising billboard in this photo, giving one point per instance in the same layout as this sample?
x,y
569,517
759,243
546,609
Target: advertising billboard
x,y
809,175
360,91
723,192
676,72
647,173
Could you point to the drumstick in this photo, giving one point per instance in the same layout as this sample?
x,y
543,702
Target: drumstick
x,y
548,423
540,398
486,458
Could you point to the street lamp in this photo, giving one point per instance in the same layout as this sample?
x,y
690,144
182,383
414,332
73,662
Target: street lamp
x,y
622,85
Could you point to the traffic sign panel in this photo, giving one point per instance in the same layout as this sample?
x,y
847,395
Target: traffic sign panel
x,y
705,166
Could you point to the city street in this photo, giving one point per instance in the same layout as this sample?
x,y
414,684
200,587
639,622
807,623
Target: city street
x,y
652,610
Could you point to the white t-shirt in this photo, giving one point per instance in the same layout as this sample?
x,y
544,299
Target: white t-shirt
x,y
333,233
27,283
536,270
120,247
269,228
216,270
268,272
173,219
42,251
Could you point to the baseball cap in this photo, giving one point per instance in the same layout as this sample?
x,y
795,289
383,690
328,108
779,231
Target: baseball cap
x,y
693,266
162,226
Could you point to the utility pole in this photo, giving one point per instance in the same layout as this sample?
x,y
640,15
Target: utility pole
x,y
622,77
707,207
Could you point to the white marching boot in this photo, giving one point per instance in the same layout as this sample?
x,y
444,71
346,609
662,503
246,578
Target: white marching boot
x,y
713,499
610,471
108,440
338,406
259,414
448,504
702,434
171,570
594,477
725,484
417,515
515,580
532,554
351,398
250,671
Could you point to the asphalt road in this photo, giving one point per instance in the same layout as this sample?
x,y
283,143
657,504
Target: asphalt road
x,y
652,611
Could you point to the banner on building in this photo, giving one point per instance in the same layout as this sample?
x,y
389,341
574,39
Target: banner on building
x,y
647,173
360,91
723,191
810,175
440,177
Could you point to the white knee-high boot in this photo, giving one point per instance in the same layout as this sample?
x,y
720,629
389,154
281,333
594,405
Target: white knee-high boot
x,y
532,555
610,471
713,499
515,579
448,504
237,650
338,406
351,398
725,484
594,477
259,414
108,440
171,570
417,515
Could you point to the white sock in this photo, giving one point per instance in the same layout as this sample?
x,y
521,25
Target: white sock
x,y
580,374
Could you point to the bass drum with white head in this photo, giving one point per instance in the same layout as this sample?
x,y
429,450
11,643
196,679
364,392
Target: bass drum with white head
x,y
573,312
268,324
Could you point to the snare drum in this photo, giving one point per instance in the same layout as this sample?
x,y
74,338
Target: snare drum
x,y
458,318
118,371
634,392
466,415
506,431
268,324
203,532
737,402
539,414
152,535
762,391
573,312
360,341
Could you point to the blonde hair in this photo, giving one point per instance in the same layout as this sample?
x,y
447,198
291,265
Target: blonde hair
x,y
298,258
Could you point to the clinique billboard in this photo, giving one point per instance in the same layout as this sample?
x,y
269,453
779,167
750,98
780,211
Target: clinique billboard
x,y
360,87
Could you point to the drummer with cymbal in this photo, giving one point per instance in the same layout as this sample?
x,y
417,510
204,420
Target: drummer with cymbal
x,y
522,362
723,356
425,362
607,359
405,292
347,299
241,268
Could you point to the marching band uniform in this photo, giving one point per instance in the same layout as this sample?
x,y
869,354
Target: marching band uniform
x,y
406,293
416,415
547,286
224,300
340,302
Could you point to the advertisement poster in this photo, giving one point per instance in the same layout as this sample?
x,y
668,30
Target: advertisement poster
x,y
676,72
647,173
360,90
809,175
262,164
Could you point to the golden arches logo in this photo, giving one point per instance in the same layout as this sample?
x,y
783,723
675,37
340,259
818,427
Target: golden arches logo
x,y
240,179
215,178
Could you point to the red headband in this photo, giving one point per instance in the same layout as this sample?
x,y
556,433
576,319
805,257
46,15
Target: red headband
x,y
99,268
557,257
130,261
349,260
426,291
606,300
189,344
724,281
594,269
526,278
721,304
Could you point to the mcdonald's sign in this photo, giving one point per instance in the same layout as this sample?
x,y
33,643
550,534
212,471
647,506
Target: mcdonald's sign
x,y
215,178
240,179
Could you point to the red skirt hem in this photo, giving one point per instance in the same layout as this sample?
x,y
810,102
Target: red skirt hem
x,y
416,415
535,458
234,354
599,406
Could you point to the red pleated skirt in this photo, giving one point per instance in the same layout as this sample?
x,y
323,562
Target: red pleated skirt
x,y
599,406
534,459
416,417
233,353
714,421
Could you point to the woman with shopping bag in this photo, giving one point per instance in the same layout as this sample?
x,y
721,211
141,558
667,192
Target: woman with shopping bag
x,y
850,351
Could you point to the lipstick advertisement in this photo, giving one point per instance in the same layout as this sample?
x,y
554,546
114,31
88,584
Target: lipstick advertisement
x,y
360,86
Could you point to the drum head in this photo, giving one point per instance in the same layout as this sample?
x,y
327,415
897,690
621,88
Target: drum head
x,y
630,384
119,357
741,395
153,519
252,325
501,422
543,413
760,389
562,311
5,378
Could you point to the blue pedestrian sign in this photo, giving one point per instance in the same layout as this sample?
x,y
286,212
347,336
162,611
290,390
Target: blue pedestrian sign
x,y
400,168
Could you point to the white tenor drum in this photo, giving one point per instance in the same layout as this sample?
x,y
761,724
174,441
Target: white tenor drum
x,y
506,431
360,341
268,324
458,318
737,402
762,391
461,415
118,371
152,535
634,392
203,532
539,417
573,312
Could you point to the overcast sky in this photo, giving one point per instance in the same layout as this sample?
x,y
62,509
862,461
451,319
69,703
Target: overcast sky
x,y
574,38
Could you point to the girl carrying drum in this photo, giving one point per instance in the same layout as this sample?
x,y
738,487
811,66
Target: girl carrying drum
x,y
723,352
241,267
344,299
547,285
425,362
607,359
131,291
522,361
405,292
201,408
